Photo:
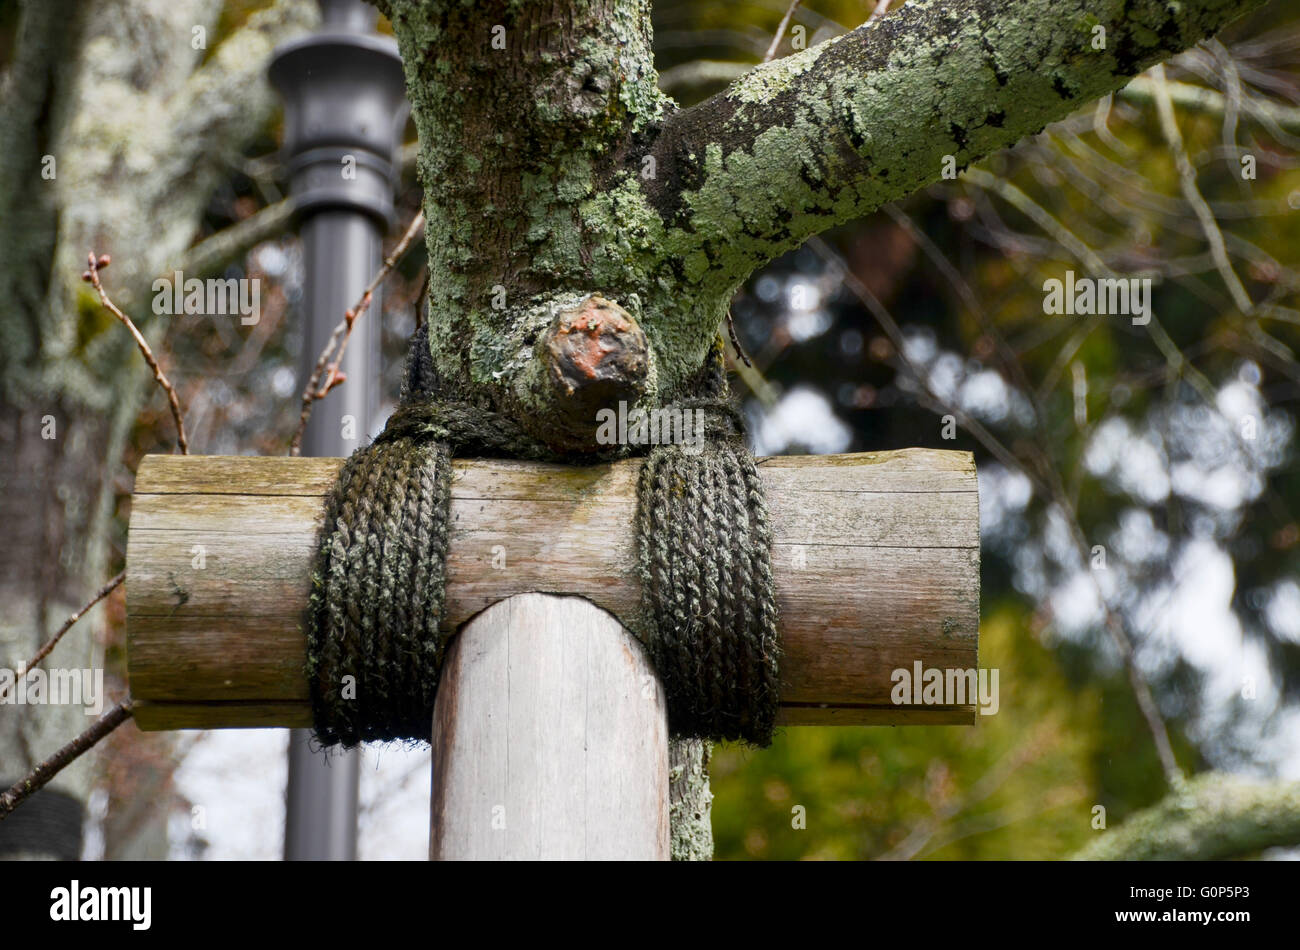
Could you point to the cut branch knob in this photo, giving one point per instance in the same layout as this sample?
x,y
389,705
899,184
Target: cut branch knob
x,y
595,356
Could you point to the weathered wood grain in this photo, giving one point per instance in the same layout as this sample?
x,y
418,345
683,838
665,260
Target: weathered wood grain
x,y
550,739
875,558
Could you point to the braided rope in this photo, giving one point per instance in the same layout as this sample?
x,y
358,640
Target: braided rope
x,y
704,548
373,644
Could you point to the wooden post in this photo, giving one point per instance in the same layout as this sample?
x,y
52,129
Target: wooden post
x,y
875,558
550,738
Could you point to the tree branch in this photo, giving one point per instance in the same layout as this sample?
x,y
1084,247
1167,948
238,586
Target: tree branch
x,y
827,135
91,276
23,788
1202,99
214,253
53,641
228,98
1213,817
325,374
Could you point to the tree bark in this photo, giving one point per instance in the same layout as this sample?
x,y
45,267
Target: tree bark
x,y
1212,817
554,168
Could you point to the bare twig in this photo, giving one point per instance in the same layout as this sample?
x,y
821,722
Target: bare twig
x,y
1142,90
700,72
56,763
882,7
780,31
735,340
44,651
325,374
1187,179
91,276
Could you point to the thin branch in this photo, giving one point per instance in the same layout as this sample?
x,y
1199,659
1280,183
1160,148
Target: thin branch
x,y
1142,90
735,340
56,763
700,72
882,7
50,644
1187,179
325,374
91,276
212,254
780,31
983,788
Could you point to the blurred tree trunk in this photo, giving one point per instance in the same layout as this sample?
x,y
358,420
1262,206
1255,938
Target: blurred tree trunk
x,y
116,118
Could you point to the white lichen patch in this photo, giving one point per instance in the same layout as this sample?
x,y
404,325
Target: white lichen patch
x,y
763,82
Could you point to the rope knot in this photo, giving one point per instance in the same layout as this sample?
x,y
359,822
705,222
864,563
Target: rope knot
x,y
374,640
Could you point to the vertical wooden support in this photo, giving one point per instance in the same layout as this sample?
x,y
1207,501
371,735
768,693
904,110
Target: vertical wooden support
x,y
550,738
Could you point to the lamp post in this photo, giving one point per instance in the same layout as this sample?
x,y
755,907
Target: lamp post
x,y
344,111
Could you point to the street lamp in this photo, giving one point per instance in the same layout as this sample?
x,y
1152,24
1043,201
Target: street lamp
x,y
344,112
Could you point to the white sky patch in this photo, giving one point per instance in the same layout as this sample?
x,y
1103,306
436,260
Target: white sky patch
x,y
1193,618
238,777
1003,494
1226,487
1283,611
283,381
393,824
273,260
805,324
803,295
919,346
945,376
801,417
986,395
1136,464
1076,607
1137,540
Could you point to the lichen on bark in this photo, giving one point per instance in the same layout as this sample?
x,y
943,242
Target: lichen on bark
x,y
1212,817
554,167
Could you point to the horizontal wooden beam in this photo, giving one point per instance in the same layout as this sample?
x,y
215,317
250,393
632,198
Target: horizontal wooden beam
x,y
875,559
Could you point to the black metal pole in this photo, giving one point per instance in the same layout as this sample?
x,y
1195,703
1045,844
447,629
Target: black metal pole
x,y
344,110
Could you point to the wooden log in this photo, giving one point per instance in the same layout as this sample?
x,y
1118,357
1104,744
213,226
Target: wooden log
x,y
875,559
550,739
